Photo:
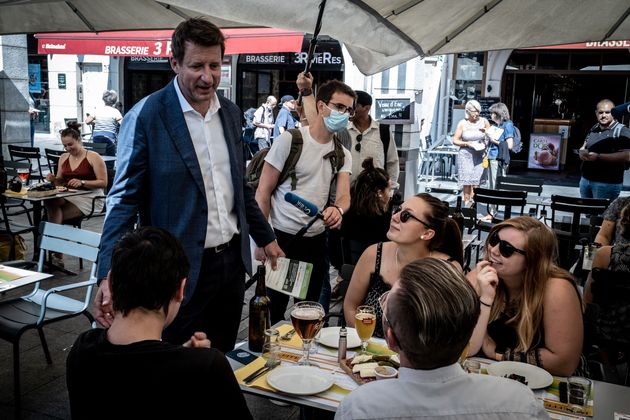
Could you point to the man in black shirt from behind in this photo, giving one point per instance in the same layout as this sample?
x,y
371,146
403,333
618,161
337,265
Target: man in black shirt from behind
x,y
127,371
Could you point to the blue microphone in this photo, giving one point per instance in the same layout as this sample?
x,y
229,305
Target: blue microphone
x,y
306,206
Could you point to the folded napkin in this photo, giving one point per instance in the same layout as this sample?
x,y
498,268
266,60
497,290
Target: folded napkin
x,y
245,371
16,194
295,341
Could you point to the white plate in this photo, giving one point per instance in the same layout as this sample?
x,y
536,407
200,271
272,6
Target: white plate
x,y
330,337
536,377
299,380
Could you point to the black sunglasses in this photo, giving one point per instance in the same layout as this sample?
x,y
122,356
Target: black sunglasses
x,y
405,215
505,248
357,146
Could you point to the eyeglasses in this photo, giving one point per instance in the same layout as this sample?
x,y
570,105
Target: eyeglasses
x,y
505,248
405,215
342,108
357,146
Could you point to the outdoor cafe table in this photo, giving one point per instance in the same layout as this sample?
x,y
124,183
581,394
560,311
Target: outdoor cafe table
x,y
607,398
37,207
12,277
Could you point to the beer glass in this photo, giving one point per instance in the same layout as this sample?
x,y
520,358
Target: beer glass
x,y
364,323
307,318
23,174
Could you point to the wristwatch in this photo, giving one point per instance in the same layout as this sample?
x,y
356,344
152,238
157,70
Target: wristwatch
x,y
82,183
306,92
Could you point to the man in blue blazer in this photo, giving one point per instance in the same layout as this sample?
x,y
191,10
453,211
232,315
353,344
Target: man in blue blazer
x,y
180,167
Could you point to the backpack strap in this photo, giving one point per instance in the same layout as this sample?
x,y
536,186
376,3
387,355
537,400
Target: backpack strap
x,y
288,170
385,139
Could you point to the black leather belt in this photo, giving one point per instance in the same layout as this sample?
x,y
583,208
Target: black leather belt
x,y
220,248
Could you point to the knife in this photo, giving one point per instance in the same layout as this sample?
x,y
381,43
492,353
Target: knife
x,y
251,378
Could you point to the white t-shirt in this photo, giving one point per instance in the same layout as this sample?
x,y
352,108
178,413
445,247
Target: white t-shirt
x,y
314,175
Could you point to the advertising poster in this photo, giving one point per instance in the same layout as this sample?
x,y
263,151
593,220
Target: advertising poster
x,y
34,79
544,151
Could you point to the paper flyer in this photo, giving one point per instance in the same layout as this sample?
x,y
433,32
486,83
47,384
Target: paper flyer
x,y
291,277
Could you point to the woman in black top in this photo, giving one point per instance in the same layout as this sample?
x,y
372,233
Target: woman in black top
x,y
419,228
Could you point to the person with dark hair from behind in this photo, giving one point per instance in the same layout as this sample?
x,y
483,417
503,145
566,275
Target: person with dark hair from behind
x,y
428,318
419,228
106,122
367,220
141,375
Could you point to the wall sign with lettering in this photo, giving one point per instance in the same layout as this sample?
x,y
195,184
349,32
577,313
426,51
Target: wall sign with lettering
x,y
61,80
393,110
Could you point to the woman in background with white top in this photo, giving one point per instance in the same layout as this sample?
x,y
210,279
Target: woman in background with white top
x,y
106,123
470,136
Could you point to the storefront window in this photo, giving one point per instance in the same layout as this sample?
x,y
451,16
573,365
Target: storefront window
x,y
585,60
552,60
521,60
38,85
616,60
468,76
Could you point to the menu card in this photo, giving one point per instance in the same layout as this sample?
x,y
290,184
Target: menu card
x,y
291,277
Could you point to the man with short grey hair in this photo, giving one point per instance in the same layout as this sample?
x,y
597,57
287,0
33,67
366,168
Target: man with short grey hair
x,y
428,318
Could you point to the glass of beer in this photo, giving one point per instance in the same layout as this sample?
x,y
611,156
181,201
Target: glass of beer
x,y
23,174
364,323
307,318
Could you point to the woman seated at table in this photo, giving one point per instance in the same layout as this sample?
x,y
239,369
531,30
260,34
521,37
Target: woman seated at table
x,y
81,169
615,257
367,220
530,308
419,228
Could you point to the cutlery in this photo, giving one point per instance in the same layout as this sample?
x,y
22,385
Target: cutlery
x,y
288,334
269,365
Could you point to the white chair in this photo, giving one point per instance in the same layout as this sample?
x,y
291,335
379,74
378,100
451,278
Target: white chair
x,y
42,307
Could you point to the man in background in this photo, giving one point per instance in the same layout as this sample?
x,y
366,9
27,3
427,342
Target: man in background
x,y
371,139
284,120
317,166
428,318
264,122
605,155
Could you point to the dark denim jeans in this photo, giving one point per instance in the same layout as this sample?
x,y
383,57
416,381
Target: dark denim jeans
x,y
592,189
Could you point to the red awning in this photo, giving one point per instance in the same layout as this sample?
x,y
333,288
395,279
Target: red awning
x,y
158,43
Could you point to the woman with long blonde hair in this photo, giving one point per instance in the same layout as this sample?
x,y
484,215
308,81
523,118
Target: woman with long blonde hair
x,y
530,307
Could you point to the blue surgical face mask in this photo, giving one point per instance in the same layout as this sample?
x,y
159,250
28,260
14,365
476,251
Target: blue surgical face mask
x,y
336,121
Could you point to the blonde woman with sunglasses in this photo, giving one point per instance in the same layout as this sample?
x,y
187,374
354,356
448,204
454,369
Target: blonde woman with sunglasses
x,y
419,228
530,307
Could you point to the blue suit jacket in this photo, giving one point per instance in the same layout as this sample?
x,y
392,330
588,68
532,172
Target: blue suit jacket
x,y
158,178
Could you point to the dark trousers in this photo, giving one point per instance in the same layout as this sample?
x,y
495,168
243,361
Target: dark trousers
x,y
217,302
312,249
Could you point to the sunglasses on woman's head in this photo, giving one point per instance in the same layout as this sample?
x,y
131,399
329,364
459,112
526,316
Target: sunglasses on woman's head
x,y
357,146
405,215
506,249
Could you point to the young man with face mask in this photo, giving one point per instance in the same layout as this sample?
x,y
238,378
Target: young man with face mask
x,y
314,174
